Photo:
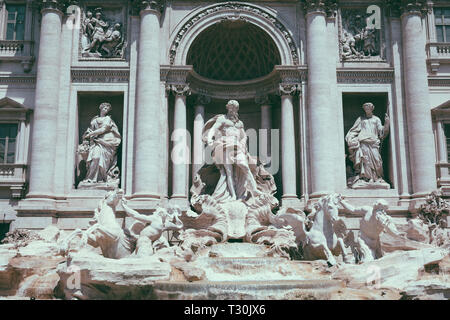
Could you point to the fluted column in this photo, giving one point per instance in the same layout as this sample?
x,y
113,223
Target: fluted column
x,y
420,132
180,151
323,137
148,132
265,127
288,168
46,103
199,122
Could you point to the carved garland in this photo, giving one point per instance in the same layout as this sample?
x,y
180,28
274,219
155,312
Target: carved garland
x,y
238,7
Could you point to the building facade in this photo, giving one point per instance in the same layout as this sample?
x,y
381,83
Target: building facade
x,y
300,70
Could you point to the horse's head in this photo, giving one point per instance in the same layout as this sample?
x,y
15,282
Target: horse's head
x,y
172,215
330,206
112,198
379,212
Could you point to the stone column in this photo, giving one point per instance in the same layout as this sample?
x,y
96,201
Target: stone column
x,y
442,148
46,103
180,151
288,170
420,132
199,121
147,135
323,137
265,127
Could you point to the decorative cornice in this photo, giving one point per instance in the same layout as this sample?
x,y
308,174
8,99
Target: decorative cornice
x,y
239,7
175,74
145,5
327,7
100,76
365,76
439,82
18,81
292,74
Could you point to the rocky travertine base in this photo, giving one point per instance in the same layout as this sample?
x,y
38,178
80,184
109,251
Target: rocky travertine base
x,y
223,271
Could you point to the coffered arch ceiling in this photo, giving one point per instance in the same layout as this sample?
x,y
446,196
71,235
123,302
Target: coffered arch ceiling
x,y
233,51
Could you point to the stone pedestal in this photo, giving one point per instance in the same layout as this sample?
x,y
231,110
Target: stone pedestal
x,y
147,137
44,126
421,140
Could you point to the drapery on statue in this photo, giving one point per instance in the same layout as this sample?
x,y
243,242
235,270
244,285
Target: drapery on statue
x,y
99,149
226,136
363,141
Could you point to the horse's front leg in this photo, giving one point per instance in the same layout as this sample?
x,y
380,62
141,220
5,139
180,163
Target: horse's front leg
x,y
323,250
341,245
64,244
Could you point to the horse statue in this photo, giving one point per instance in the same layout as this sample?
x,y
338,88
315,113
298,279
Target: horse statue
x,y
117,242
325,237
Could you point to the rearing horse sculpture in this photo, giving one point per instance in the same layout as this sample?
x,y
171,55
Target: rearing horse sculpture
x,y
324,240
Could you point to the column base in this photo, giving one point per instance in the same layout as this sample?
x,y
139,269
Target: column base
x,y
319,194
291,201
420,195
180,200
145,196
40,196
38,205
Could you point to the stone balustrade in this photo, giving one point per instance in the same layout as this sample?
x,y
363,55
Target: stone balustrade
x,y
437,53
13,175
17,50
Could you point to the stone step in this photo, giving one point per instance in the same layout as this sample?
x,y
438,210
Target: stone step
x,y
246,290
255,269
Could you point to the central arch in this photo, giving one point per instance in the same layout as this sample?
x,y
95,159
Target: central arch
x,y
196,23
233,51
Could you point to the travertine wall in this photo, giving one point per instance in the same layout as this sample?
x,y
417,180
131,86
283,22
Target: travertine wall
x,y
316,156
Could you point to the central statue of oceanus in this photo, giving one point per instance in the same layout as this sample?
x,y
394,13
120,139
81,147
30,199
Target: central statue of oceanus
x,y
226,137
235,194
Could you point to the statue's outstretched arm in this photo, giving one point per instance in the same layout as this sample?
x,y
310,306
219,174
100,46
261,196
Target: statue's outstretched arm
x,y
352,209
136,215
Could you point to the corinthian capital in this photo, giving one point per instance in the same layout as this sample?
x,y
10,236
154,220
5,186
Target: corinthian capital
x,y
327,7
398,7
59,5
180,89
289,89
151,5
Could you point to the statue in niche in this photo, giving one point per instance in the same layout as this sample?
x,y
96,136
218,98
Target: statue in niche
x,y
357,40
99,151
364,140
99,39
234,195
226,137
